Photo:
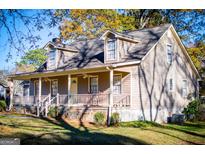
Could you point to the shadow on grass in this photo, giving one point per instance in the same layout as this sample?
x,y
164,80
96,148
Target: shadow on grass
x,y
187,128
174,136
71,136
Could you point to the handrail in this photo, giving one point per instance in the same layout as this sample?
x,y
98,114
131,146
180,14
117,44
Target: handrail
x,y
45,98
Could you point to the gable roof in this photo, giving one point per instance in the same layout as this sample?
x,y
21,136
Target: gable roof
x,y
91,51
119,35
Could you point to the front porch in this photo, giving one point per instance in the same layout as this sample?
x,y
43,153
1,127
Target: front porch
x,y
106,89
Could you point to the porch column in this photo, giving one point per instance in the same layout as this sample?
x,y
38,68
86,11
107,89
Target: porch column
x,y
69,86
111,97
39,97
11,93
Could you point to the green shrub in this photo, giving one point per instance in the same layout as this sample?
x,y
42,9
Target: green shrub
x,y
139,124
99,118
202,112
53,112
115,119
192,110
2,105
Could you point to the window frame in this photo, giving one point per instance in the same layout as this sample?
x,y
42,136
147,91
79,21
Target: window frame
x,y
108,50
51,86
53,61
172,53
27,84
114,92
186,88
89,84
170,88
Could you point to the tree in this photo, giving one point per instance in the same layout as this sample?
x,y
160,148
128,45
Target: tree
x,y
197,54
91,23
188,23
18,27
33,58
145,18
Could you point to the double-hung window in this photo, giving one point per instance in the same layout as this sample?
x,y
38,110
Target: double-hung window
x,y
184,88
93,85
169,53
52,59
54,87
117,84
111,52
170,85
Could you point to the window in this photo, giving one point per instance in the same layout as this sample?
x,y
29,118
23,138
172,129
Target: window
x,y
26,90
54,87
184,88
169,54
170,85
36,88
111,55
93,84
117,84
52,59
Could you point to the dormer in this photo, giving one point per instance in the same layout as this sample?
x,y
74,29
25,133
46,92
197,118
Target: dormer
x,y
58,53
52,56
116,46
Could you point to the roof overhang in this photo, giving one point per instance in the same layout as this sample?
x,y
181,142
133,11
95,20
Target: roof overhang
x,y
57,72
120,36
46,47
60,72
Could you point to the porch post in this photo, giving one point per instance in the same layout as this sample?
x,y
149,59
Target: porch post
x,y
111,97
39,97
69,86
11,93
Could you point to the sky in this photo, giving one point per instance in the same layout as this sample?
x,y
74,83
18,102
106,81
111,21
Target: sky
x,y
4,46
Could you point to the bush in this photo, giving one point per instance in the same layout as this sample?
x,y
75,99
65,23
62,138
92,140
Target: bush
x,y
115,119
202,112
2,105
53,112
99,118
192,110
140,124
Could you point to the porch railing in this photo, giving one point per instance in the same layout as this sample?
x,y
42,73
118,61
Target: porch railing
x,y
89,99
119,100
122,100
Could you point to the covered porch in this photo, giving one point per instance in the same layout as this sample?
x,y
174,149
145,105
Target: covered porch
x,y
102,88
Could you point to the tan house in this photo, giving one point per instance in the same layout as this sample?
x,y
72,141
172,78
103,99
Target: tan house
x,y
143,75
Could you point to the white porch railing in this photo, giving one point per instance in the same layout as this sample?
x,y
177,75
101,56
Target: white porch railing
x,y
89,99
120,100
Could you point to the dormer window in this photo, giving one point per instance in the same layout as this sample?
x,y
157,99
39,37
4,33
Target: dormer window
x,y
111,52
52,59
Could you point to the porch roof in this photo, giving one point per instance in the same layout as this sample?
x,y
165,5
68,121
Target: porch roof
x,y
56,72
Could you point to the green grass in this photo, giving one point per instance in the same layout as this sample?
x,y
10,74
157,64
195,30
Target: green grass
x,y
33,130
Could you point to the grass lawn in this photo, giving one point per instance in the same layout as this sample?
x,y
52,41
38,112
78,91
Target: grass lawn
x,y
33,130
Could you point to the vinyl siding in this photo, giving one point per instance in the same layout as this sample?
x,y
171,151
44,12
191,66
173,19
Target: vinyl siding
x,y
153,100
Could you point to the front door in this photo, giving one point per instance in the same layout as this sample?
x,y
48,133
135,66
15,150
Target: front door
x,y
74,86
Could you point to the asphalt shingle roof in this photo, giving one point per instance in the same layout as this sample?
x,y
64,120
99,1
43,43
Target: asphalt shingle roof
x,y
91,52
